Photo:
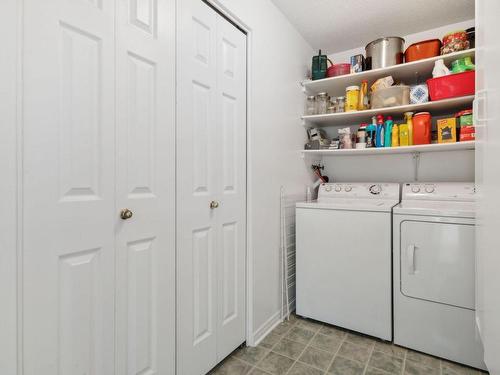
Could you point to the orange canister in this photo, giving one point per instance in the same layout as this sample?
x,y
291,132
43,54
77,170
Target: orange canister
x,y
422,128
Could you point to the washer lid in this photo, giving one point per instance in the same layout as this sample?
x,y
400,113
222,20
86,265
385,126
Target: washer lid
x,y
436,208
374,205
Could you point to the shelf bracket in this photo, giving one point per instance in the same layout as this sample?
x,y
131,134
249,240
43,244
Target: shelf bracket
x,y
416,164
304,89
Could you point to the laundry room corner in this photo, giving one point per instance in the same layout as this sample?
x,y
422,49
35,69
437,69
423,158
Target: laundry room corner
x,y
277,61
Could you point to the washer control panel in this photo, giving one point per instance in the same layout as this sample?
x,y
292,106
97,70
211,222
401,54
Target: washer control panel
x,y
442,191
380,190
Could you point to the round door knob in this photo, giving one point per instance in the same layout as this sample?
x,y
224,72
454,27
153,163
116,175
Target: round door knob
x,y
126,214
375,189
214,204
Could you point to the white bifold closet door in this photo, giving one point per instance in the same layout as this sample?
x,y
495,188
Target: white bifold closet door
x,y
211,188
97,292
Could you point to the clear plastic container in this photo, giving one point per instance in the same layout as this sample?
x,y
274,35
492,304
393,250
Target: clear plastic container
x,y
341,104
391,97
332,105
310,105
322,103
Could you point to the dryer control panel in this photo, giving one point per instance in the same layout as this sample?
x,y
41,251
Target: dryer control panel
x,y
368,190
439,191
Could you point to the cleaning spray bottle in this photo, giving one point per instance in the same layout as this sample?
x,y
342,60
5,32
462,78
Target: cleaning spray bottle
x,y
388,131
380,131
395,136
408,117
371,133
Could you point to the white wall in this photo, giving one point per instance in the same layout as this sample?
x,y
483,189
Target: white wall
x,y
8,189
439,166
277,56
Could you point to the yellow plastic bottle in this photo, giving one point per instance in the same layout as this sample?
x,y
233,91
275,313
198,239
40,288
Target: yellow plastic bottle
x,y
395,136
403,135
409,122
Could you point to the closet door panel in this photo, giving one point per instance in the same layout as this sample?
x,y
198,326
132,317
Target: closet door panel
x,y
145,93
196,188
231,186
68,187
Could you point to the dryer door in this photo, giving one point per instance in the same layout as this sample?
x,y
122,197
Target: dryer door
x,y
437,262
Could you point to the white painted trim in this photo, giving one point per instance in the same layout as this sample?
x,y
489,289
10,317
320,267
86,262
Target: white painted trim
x,y
250,334
10,29
266,328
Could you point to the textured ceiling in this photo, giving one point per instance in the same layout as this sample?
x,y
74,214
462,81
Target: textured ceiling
x,y
338,25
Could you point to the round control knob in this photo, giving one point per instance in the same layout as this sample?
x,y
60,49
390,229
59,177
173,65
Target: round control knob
x,y
328,188
375,189
338,188
126,214
429,189
415,189
348,188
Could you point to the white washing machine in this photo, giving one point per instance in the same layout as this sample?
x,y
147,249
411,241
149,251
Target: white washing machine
x,y
343,256
434,272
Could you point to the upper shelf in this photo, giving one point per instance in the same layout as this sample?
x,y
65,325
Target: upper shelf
x,y
434,147
335,86
347,118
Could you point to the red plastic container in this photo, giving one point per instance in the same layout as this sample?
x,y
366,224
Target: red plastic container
x,y
338,70
451,86
422,127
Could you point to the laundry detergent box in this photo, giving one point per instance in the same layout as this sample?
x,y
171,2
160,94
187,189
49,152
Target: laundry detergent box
x,y
447,130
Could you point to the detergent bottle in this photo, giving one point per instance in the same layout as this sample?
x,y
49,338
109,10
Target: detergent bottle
x,y
408,117
380,137
388,131
371,133
395,136
403,135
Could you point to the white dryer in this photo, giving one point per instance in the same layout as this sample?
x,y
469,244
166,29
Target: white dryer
x,y
343,256
434,271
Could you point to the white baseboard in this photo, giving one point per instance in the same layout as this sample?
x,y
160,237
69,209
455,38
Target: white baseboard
x,y
266,328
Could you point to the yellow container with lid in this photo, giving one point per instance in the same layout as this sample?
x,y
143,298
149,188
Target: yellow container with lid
x,y
352,98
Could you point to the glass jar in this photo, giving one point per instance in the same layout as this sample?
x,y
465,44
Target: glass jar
x,y
310,105
332,106
321,103
341,104
352,98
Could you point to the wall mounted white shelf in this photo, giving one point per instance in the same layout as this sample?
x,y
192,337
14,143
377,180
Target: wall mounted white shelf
x,y
434,147
406,72
349,118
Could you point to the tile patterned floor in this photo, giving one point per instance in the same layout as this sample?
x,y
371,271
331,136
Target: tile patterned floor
x,y
306,347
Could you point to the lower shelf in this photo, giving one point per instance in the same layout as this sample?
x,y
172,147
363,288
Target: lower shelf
x,y
434,147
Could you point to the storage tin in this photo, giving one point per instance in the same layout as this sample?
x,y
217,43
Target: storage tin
x,y
384,52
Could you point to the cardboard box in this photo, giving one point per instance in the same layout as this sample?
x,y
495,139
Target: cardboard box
x,y
467,133
447,130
